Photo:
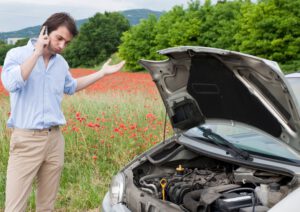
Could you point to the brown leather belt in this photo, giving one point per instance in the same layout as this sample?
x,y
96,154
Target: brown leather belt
x,y
39,130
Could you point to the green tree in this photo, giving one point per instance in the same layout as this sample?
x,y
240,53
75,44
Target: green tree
x,y
219,24
22,42
178,27
271,29
4,48
97,40
137,43
267,28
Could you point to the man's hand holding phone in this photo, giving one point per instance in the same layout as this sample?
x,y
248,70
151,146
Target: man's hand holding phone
x,y
42,42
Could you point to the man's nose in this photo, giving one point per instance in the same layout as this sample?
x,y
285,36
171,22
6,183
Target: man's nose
x,y
62,45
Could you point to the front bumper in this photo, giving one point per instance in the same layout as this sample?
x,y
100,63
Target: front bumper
x,y
106,206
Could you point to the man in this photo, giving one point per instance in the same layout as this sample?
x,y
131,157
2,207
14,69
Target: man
x,y
37,76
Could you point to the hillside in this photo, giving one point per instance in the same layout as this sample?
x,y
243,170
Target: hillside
x,y
134,17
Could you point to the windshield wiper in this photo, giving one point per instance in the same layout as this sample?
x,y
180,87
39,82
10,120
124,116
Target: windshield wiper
x,y
219,140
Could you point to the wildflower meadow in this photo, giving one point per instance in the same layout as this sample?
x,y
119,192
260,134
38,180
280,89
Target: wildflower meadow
x,y
108,124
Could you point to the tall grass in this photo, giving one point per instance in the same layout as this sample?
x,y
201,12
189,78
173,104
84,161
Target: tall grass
x,y
4,138
103,133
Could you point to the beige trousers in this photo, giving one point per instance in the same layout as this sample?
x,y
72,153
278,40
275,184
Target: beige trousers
x,y
34,154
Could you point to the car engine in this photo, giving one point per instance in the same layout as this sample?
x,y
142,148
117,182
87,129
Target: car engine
x,y
199,183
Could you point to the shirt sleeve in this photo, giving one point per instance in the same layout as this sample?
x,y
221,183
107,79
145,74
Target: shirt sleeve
x,y
11,73
70,84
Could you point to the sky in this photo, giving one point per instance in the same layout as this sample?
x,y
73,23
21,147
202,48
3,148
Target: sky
x,y
19,14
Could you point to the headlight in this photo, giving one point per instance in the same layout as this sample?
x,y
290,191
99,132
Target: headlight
x,y
116,189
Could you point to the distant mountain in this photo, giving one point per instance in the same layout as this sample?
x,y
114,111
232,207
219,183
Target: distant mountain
x,y
134,17
30,31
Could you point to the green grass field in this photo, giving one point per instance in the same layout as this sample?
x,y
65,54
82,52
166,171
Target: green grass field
x,y
104,131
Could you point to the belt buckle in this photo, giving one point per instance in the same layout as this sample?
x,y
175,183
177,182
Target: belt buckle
x,y
53,128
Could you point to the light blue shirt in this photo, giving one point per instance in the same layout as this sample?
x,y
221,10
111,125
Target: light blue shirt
x,y
36,102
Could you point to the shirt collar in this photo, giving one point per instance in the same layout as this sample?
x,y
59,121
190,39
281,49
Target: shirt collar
x,y
31,43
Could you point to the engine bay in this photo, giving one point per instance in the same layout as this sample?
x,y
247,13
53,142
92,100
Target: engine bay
x,y
198,183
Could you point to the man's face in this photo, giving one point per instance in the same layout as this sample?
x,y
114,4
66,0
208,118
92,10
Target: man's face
x,y
59,39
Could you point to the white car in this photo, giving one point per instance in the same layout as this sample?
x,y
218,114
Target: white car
x,y
236,143
294,81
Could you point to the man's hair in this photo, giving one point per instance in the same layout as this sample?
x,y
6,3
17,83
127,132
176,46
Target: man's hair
x,y
61,19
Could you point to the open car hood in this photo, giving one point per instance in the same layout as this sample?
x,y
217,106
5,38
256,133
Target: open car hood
x,y
199,83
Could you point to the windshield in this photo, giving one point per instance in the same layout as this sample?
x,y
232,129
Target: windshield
x,y
295,84
250,139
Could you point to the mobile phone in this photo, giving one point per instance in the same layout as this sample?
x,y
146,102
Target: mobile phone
x,y
46,33
46,30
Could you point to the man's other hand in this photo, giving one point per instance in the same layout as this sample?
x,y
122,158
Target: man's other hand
x,y
110,69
